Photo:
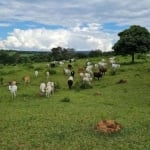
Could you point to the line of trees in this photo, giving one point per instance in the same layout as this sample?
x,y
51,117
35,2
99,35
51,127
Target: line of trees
x,y
58,53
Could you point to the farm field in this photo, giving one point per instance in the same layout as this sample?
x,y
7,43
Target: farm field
x,y
34,122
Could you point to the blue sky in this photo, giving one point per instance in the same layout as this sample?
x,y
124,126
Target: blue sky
x,y
80,24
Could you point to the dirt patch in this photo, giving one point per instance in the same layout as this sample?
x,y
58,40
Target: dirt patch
x,y
108,126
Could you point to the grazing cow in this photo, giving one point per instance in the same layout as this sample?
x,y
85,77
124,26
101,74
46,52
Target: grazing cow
x,y
69,66
52,84
97,75
49,89
81,74
103,70
42,87
26,79
13,89
70,82
81,70
52,65
36,73
66,71
47,74
72,73
115,66
87,79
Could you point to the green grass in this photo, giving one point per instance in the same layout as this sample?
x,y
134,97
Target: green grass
x,y
31,122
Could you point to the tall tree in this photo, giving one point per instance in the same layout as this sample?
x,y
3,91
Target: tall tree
x,y
56,53
136,39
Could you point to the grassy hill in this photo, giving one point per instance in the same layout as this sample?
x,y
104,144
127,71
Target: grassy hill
x,y
32,122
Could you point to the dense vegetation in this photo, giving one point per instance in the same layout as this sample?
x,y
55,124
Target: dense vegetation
x,y
66,120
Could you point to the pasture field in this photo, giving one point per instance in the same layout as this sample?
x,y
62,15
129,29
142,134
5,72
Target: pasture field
x,y
33,122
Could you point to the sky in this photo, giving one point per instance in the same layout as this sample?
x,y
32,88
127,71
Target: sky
x,y
41,25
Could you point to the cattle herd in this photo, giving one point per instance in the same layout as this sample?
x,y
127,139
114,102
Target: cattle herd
x,y
87,73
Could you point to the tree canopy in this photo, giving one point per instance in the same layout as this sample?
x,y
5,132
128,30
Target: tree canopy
x,y
136,39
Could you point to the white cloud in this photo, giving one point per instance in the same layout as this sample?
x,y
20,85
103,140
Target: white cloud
x,y
44,39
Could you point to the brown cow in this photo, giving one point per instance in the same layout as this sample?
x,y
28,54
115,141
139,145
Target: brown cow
x,y
26,79
81,70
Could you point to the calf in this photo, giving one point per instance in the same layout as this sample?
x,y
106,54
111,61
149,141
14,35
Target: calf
x,y
97,75
26,79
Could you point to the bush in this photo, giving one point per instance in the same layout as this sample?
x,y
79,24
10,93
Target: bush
x,y
38,68
141,56
65,99
29,66
57,85
83,85
1,80
52,71
1,66
113,72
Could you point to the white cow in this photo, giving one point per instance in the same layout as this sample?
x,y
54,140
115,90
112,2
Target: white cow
x,y
67,71
47,74
13,89
36,73
115,66
52,84
42,87
49,89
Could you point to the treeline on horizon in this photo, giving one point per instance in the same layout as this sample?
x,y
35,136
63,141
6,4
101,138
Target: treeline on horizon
x,y
57,54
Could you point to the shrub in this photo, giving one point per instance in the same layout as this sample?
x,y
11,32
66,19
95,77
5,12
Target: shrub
x,y
1,66
38,68
29,66
1,80
113,72
52,71
83,85
57,85
65,99
141,56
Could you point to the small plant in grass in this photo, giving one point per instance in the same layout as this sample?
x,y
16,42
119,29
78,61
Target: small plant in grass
x,y
65,99
1,80
1,66
52,71
113,72
57,85
29,65
83,85
38,68
141,56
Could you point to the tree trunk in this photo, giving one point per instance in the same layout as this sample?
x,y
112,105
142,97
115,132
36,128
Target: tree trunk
x,y
132,58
